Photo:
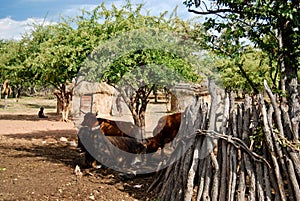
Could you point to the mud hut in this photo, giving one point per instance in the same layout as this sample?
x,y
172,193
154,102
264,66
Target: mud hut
x,y
94,97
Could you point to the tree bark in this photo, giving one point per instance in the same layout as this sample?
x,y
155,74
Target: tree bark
x,y
64,99
225,159
293,179
259,182
201,177
269,142
174,103
192,172
232,152
215,178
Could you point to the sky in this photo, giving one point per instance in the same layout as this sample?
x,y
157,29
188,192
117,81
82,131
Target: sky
x,y
16,16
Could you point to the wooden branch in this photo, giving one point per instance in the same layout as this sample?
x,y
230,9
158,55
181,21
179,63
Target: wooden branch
x,y
241,190
266,179
250,172
207,180
223,150
259,181
191,175
215,178
295,158
276,109
232,158
293,179
201,177
209,12
236,142
245,137
232,169
268,135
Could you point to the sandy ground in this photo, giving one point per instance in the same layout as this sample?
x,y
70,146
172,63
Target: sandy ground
x,y
38,158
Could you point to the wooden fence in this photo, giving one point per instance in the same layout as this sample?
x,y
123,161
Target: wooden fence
x,y
242,151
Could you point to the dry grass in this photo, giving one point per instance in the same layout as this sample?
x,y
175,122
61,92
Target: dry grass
x,y
28,105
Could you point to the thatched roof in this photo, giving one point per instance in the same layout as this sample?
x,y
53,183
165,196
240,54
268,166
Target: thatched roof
x,y
84,87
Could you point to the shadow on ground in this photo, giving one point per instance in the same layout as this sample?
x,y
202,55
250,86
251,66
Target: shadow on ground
x,y
30,117
46,146
70,134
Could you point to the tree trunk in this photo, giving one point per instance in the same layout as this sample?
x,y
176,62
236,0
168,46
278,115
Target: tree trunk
x,y
174,103
137,104
5,101
59,105
288,62
64,100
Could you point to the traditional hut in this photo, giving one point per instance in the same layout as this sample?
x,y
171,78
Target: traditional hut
x,y
94,97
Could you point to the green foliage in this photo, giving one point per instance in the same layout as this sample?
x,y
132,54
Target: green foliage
x,y
54,53
138,53
150,66
116,44
131,40
12,55
271,25
257,137
55,56
256,66
112,60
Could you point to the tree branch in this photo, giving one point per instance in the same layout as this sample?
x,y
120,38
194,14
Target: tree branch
x,y
208,12
236,142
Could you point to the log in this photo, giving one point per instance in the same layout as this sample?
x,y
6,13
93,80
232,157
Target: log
x,y
233,153
224,165
268,136
259,182
215,178
276,109
275,186
192,172
287,123
293,179
295,158
202,170
232,175
245,138
267,185
207,181
241,190
266,176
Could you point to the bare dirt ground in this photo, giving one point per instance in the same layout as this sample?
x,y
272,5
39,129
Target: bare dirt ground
x,y
38,158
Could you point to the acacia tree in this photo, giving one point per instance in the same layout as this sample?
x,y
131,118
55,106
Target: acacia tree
x,y
12,55
57,51
142,52
270,25
45,56
52,60
137,74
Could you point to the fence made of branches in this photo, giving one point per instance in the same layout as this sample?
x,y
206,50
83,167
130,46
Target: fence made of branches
x,y
236,151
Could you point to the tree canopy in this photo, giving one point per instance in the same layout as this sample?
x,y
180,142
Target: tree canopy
x,y
149,52
272,26
53,54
